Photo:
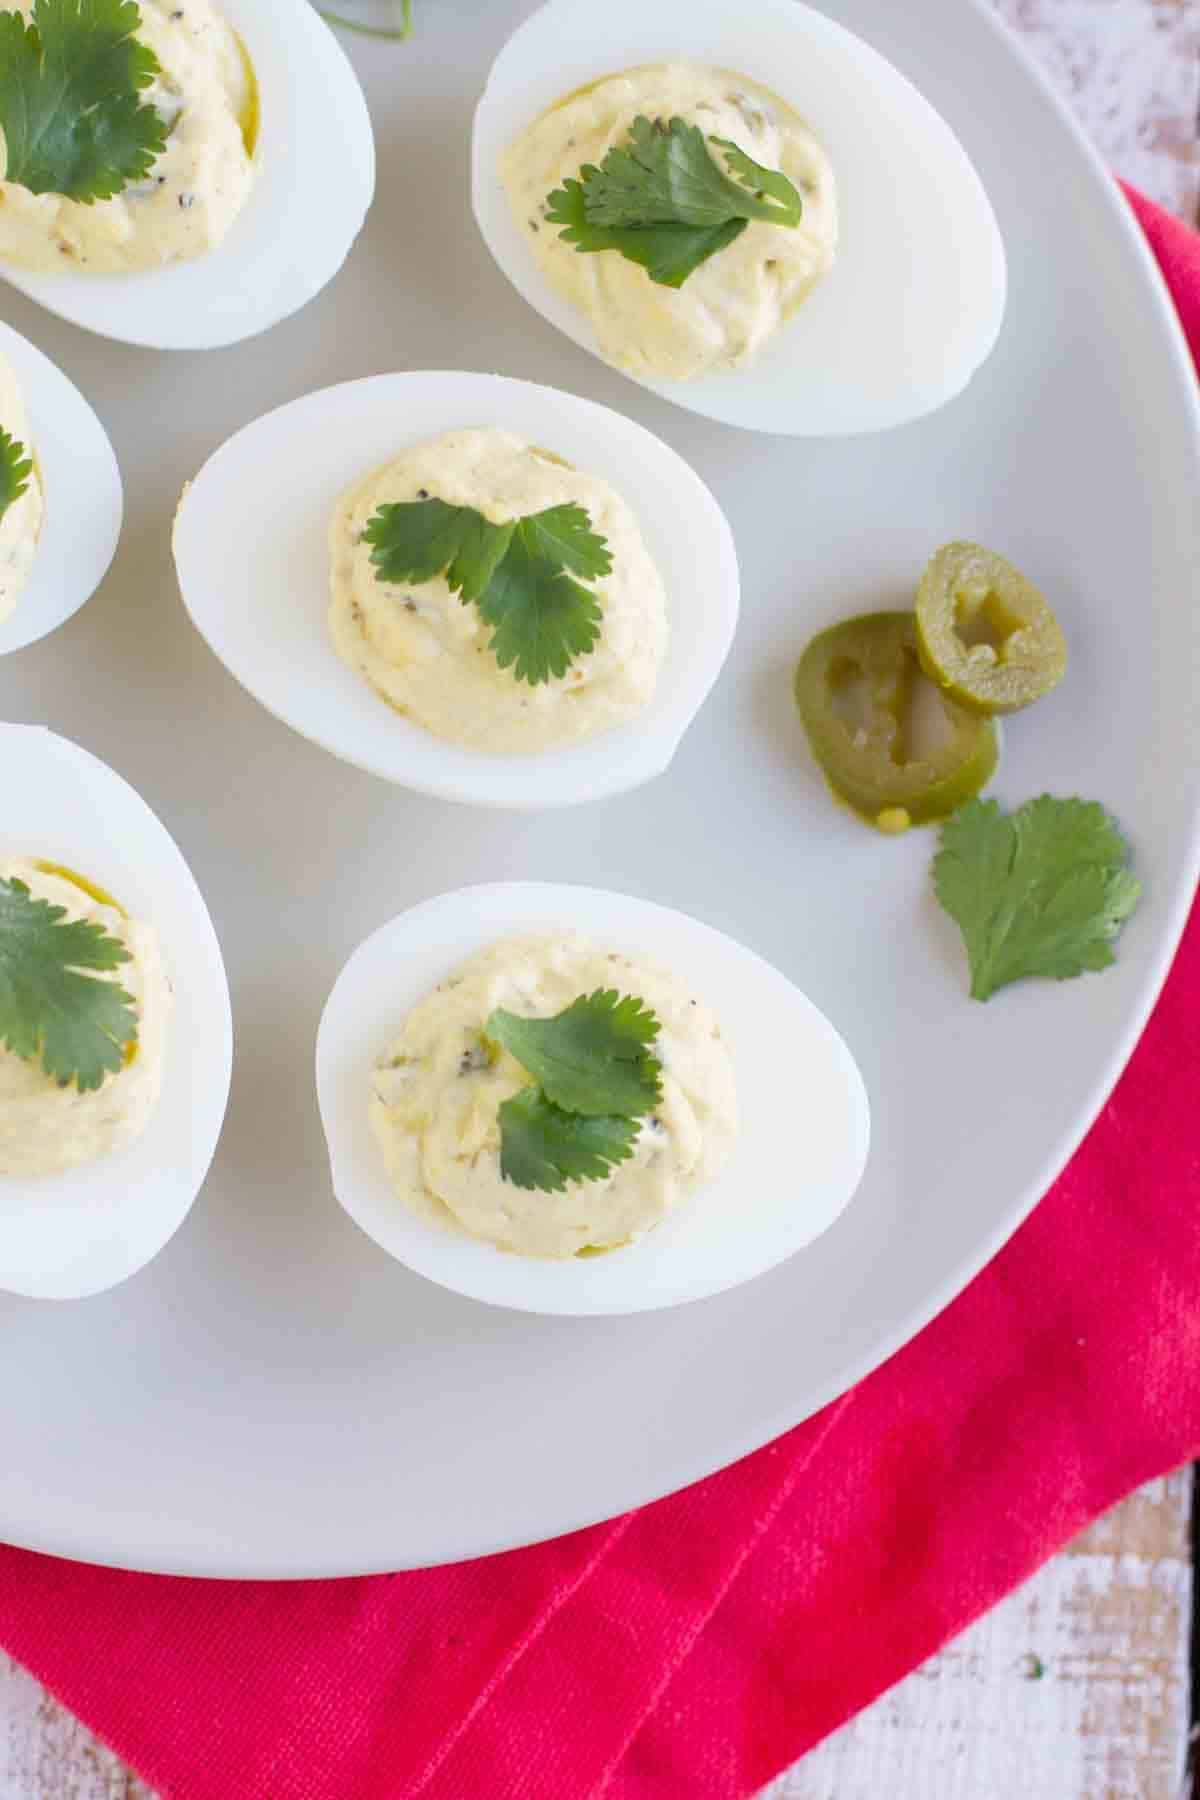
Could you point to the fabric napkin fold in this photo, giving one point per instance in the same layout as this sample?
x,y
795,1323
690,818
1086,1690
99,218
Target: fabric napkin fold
x,y
690,1650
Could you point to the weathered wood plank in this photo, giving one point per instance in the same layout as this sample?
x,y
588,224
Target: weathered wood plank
x,y
1073,1688
46,1754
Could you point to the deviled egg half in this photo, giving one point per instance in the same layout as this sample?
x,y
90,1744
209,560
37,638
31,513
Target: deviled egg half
x,y
479,588
746,209
115,1030
562,1100
60,495
221,179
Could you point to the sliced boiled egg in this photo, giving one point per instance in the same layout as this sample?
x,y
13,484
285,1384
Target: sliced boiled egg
x,y
251,551
57,540
802,1114
299,205
912,302
81,1230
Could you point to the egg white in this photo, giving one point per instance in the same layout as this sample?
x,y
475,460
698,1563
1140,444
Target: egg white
x,y
269,493
804,1120
77,1233
83,501
314,180
914,301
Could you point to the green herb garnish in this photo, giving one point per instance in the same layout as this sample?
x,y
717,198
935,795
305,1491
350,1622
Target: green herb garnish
x,y
519,575
1040,891
70,111
53,1007
543,1147
596,1078
663,201
594,1058
15,470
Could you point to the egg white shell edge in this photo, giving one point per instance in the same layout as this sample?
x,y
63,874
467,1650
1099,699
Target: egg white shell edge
x,y
84,505
842,364
76,1234
270,491
804,1118
311,193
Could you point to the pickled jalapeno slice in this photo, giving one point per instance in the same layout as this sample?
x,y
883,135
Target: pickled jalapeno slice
x,y
890,744
986,634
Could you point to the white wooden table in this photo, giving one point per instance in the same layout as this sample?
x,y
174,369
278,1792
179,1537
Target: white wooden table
x,y
1076,1687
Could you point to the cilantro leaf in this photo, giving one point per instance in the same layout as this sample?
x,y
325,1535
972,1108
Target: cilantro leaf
x,y
543,1147
15,470
564,534
668,253
541,619
416,540
70,111
779,202
518,574
52,1006
1041,891
596,1078
593,1058
663,174
663,201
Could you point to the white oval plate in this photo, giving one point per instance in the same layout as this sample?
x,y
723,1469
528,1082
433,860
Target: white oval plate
x,y
313,184
82,1232
251,552
82,483
809,1106
309,1407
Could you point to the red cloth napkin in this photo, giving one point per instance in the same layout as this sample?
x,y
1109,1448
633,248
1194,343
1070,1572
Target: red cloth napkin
x,y
692,1649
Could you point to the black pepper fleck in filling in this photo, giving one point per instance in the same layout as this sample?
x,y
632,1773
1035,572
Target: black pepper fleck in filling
x,y
187,200
422,493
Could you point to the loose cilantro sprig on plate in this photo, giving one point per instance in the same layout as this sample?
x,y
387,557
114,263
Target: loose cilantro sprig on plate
x,y
1040,891
15,470
519,575
596,1077
53,1007
663,201
70,111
